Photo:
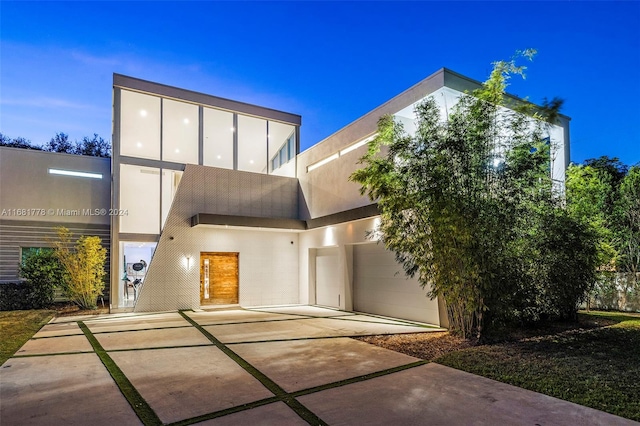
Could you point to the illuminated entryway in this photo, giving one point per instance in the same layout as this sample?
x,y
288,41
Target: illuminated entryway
x,y
136,257
218,278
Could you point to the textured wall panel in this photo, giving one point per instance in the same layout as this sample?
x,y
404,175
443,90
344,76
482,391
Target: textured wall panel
x,y
16,234
268,260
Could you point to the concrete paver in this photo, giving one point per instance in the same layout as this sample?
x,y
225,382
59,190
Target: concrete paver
x,y
52,345
180,383
369,318
437,395
302,364
304,328
141,339
296,347
62,329
142,322
61,390
315,311
275,414
238,316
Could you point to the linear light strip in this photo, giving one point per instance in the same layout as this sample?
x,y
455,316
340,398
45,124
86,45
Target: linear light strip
x,y
341,153
358,144
75,173
323,162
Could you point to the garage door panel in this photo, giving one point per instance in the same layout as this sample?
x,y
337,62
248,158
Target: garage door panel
x,y
381,287
327,277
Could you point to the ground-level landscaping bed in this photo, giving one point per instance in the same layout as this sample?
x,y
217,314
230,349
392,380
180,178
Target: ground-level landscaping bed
x,y
594,362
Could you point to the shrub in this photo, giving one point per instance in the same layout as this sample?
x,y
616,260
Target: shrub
x,y
43,272
14,296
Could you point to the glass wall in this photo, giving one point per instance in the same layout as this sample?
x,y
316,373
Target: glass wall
x,y
179,132
218,138
252,144
170,182
140,199
139,125
282,148
135,257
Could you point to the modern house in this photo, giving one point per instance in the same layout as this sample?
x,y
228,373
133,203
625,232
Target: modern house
x,y
213,203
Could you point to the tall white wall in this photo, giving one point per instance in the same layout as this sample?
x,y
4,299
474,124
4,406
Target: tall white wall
x,y
268,260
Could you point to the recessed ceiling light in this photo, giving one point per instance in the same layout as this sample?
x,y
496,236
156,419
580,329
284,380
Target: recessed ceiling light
x,y
250,161
177,151
186,121
219,157
143,113
139,145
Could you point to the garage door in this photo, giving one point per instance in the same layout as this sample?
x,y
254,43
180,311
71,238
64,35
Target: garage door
x,y
381,287
327,277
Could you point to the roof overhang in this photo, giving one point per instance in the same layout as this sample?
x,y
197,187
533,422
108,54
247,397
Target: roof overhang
x,y
277,223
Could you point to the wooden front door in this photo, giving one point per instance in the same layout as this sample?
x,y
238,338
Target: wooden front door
x,y
218,278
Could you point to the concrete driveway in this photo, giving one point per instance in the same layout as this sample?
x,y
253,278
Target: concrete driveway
x,y
278,366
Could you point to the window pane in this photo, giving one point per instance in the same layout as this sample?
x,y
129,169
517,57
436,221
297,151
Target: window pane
x,y
218,138
170,182
139,125
252,144
140,197
179,132
292,146
279,134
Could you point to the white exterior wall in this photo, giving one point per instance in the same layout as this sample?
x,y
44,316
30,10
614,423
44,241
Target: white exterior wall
x,y
343,237
268,268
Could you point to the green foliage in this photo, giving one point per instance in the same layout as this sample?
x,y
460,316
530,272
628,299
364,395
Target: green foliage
x,y
17,143
44,273
14,296
94,146
60,143
629,224
605,193
84,265
467,205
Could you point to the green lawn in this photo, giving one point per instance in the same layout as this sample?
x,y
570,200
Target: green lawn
x,y
598,368
16,327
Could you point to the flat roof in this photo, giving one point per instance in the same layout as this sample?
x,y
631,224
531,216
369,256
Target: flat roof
x,y
139,85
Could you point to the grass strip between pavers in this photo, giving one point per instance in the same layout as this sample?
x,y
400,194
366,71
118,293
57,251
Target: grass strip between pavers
x,y
282,395
142,409
226,411
357,379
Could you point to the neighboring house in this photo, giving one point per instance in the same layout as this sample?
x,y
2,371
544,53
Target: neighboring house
x,y
42,190
214,205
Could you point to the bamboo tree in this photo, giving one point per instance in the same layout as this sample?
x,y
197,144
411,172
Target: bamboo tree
x,y
84,264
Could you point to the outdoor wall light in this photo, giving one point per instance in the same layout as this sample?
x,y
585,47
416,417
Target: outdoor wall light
x,y
188,262
75,173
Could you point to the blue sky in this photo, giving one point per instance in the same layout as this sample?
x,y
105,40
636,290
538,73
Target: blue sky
x,y
330,62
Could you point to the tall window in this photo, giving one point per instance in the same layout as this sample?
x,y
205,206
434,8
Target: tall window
x,y
140,199
139,125
252,144
218,138
179,132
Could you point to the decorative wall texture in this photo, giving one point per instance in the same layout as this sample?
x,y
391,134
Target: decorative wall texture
x,y
268,260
